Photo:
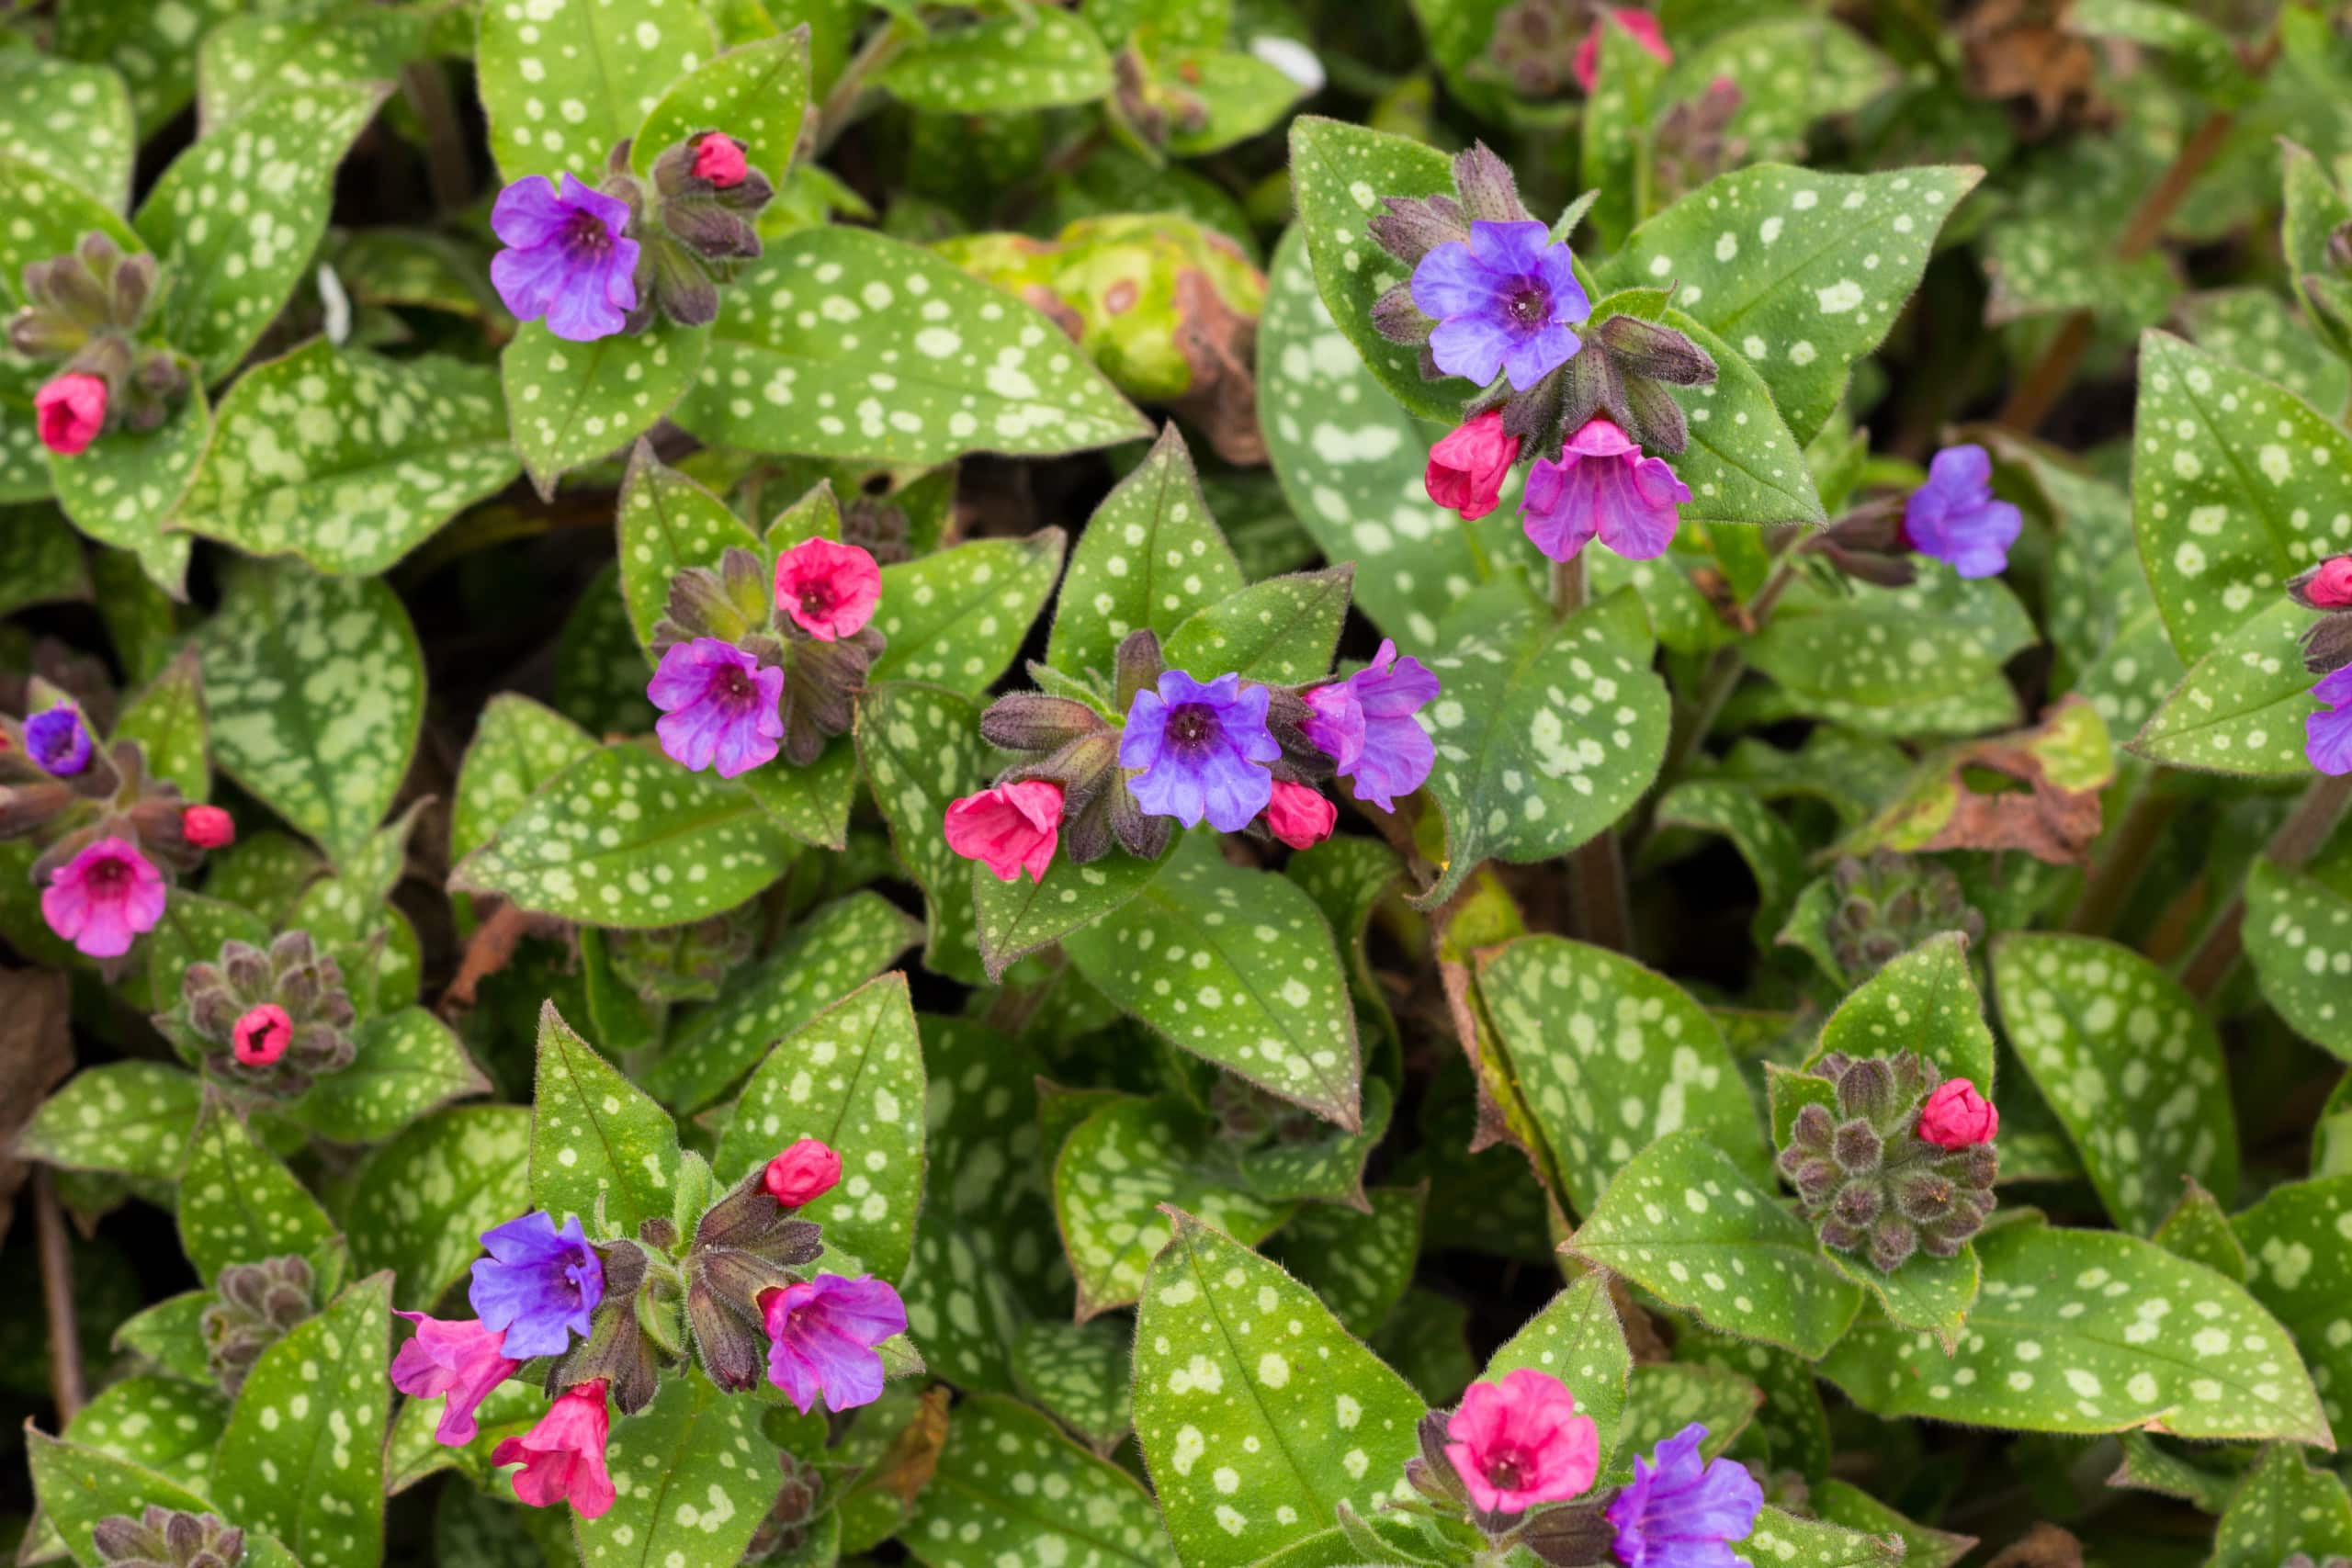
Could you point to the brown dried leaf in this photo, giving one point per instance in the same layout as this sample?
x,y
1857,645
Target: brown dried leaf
x,y
36,1053
1219,344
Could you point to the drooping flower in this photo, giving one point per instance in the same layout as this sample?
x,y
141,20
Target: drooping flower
x,y
829,590
539,1285
261,1036
1468,465
1365,724
1506,299
1601,485
208,828
70,411
2327,735
719,158
1520,1442
104,898
1634,20
459,1358
1011,828
719,707
2330,586
821,1334
1954,518
1681,1511
1956,1116
56,740
1203,749
803,1173
568,257
1299,814
563,1456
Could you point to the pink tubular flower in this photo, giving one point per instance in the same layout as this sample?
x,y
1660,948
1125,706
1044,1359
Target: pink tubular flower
x,y
456,1357
1956,1116
829,590
70,411
1520,1442
1299,816
719,159
104,898
262,1035
803,1173
1634,20
2331,586
718,707
208,828
821,1334
1011,828
1466,467
1601,484
563,1456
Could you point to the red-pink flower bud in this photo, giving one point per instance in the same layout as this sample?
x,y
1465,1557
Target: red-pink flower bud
x,y
1300,815
803,1173
719,159
1956,1116
261,1037
207,827
2331,586
70,413
1468,467
1634,20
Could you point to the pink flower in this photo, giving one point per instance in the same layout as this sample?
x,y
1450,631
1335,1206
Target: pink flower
x,y
104,898
1466,467
207,827
70,411
1638,22
718,707
2331,586
262,1035
821,1334
1011,828
1300,817
1520,1442
1957,1116
829,590
719,159
563,1456
803,1173
1601,484
459,1358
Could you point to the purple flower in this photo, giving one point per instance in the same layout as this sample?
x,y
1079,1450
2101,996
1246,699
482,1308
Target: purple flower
x,y
566,258
1365,724
2327,735
718,705
539,1285
1203,749
1679,1511
1503,300
58,740
1601,484
821,1334
1954,518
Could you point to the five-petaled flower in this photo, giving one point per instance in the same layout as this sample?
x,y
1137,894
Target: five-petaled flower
x,y
1468,465
563,1456
1203,750
1680,1510
1954,519
719,158
802,1173
829,590
1640,24
539,1285
2328,733
1365,724
208,828
1299,814
719,706
1507,298
58,740
1011,828
1601,484
70,411
104,898
1956,1117
821,1334
459,1358
261,1036
1520,1442
568,257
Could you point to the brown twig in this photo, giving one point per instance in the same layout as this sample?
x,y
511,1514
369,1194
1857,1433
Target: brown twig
x,y
66,1387
2128,852
425,85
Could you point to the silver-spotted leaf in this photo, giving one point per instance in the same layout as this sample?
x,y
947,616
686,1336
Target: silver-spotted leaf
x,y
700,1477
420,1202
1280,631
667,523
564,81
756,93
238,1202
957,616
1150,557
2298,934
1577,1339
133,1118
2298,1266
571,403
599,1148
1026,60
922,749
518,745
2241,709
1011,1488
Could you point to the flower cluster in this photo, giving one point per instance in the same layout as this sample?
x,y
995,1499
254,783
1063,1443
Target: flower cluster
x,y
275,1021
254,1305
161,1538
1905,1164
2327,653
86,309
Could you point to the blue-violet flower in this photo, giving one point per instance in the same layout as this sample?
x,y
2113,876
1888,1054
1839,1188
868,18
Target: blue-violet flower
x,y
539,1286
1365,724
1504,300
59,741
567,257
1680,1510
1954,518
2327,734
1203,749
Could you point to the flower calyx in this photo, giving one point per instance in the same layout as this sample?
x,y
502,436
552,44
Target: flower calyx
x,y
279,1020
1869,1180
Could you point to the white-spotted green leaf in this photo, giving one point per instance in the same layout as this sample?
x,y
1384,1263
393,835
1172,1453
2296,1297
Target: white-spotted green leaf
x,y
1348,877
408,1061
1791,71
1359,1263
1799,272
347,460
1891,648
599,1148
1150,557
2255,330
2241,709
702,1477
1021,917
1775,855
1622,101
829,954
852,1077
301,1457
842,343
1926,1292
40,558
2298,934
571,403
141,618
960,1305
812,804
1685,1224
1577,1339
1258,1415
517,745
1572,1017
756,93
1030,59
2315,208
2129,1062
1743,465
1924,1002
1783,1539
268,873
1792,1425
238,1202
921,748
162,1423
1078,1372
667,523
316,689
2298,1266
1663,1397
957,616
70,119
1011,1488
170,1335
2282,1508
312,45
167,719
49,211
78,1486
133,1118
564,81
421,1201
1280,631
123,489
192,930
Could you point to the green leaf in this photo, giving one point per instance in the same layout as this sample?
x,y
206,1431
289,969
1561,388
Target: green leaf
x,y
2241,709
1791,71
312,45
2315,208
571,403
1019,918
756,93
842,342
420,1201
701,1477
2255,330
1281,631
2198,1229
41,560
70,121
1793,1427
161,1423
1683,1221
1359,1263
169,1335
316,688
411,1453
120,491
2282,1508
2090,1331
1034,59
1788,1541
1010,1487
1237,967
1801,272
599,1148
1546,732
2128,1061
235,217
167,719
1775,856
668,523
1924,1002
812,804
851,1076
1257,1414
988,1176
408,1061
130,1117
1663,1397
2298,934
958,616
564,81
1926,1292
517,745
78,1486
303,1457
960,1305
1891,648
1614,132
1577,1339
1609,1055
1078,1374
1150,557
2298,1266
238,1202
1239,95
1744,465
626,838
920,749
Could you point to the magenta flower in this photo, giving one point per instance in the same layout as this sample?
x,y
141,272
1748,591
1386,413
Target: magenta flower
x,y
70,411
567,257
455,1356
718,706
260,1037
1203,749
539,1285
1468,465
1520,1442
2327,735
1503,300
1954,518
563,1456
59,741
829,590
821,1334
1601,484
1681,1511
104,898
1365,724
1011,828
1957,1117
1299,814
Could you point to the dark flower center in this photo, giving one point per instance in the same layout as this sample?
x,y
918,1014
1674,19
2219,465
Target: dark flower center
x,y
586,237
816,600
1503,1470
733,684
1529,303
1191,726
109,876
